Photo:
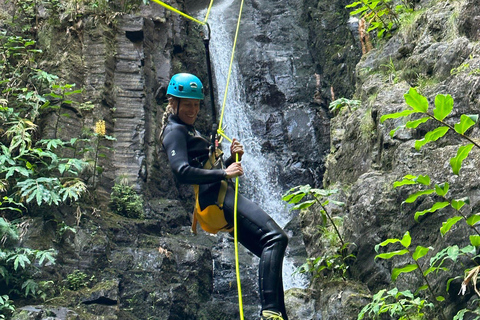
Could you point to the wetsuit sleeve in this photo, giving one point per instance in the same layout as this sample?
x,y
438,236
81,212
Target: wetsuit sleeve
x,y
229,161
175,144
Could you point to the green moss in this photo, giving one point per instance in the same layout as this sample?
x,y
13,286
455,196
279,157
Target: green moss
x,y
126,202
408,21
367,125
426,82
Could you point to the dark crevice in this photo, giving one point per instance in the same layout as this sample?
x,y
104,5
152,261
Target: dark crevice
x,y
103,301
134,36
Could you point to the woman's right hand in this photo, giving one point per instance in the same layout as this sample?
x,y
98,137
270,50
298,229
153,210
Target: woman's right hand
x,y
234,170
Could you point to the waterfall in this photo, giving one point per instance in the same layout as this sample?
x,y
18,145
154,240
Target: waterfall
x,y
259,183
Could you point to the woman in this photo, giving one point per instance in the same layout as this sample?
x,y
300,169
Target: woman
x,y
192,163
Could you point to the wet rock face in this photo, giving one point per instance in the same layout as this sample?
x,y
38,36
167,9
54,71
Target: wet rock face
x,y
136,269
470,21
289,81
366,160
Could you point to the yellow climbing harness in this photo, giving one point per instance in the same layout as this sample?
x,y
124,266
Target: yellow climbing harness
x,y
211,218
198,215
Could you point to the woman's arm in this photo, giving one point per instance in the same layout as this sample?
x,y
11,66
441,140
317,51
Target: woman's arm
x,y
175,144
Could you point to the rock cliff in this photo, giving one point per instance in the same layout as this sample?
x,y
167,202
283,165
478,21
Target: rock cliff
x,y
294,58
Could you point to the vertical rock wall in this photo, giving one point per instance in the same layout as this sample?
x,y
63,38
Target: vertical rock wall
x,y
128,94
289,67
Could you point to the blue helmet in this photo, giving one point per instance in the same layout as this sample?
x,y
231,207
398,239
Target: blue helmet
x,y
185,85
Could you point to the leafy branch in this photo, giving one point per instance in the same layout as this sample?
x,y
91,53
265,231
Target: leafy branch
x,y
320,196
416,254
379,14
418,104
335,262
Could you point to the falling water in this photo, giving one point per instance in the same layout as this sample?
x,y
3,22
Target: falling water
x,y
259,183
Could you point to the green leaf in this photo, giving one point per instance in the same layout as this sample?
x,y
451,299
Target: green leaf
x,y
338,203
299,191
443,106
473,219
11,171
435,207
422,288
354,4
413,197
469,250
46,255
410,179
386,242
460,314
415,100
323,192
462,154
408,268
442,189
440,298
359,10
415,123
403,182
425,180
73,92
389,255
420,252
297,198
109,138
457,204
466,121
429,270
447,225
392,132
396,115
22,260
406,240
430,136
475,241
453,252
303,205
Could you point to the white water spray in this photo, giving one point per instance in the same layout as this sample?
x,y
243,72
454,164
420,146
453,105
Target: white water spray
x,y
259,182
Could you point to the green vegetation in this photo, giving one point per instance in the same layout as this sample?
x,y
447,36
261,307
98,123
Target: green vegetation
x,y
126,202
465,68
77,280
334,262
17,266
405,304
418,260
337,105
395,302
380,15
41,167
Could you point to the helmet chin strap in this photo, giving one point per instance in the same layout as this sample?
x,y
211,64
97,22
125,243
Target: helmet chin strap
x,y
178,106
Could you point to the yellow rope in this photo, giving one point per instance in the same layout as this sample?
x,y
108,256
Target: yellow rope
x,y
235,235
208,11
166,6
230,66
222,133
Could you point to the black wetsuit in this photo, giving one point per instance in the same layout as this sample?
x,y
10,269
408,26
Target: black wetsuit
x,y
187,151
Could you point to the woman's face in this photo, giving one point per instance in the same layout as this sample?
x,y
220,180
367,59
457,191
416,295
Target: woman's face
x,y
188,110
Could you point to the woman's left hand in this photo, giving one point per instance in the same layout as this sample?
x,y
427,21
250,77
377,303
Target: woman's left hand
x,y
236,148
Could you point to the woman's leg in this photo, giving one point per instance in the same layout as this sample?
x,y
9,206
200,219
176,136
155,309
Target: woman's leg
x,y
259,233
